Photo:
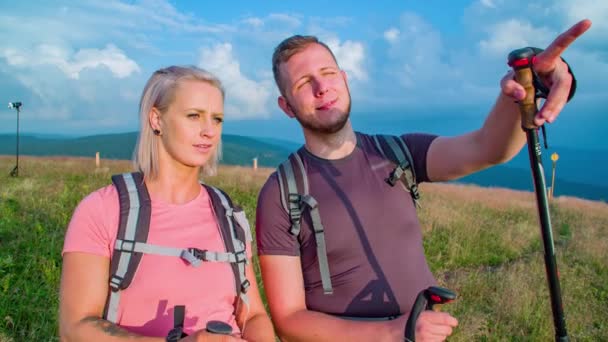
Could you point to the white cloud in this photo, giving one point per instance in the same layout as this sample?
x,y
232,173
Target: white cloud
x,y
350,56
245,98
512,34
254,21
110,57
576,10
286,19
391,35
488,3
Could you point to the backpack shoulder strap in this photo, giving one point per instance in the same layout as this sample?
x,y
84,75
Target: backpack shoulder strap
x,y
295,198
134,224
395,149
293,183
235,232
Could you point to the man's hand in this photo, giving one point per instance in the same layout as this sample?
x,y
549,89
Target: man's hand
x,y
434,326
553,73
430,326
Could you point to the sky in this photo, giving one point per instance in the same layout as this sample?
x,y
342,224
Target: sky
x,y
434,66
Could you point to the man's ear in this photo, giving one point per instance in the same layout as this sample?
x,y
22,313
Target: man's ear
x,y
285,106
154,119
344,75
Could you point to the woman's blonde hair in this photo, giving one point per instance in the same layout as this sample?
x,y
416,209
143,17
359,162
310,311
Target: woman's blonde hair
x,y
159,93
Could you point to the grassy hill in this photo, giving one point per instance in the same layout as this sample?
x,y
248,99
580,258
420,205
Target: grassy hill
x,y
237,150
484,243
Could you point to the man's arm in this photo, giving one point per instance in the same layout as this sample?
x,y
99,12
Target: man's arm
x,y
84,287
285,292
501,136
294,322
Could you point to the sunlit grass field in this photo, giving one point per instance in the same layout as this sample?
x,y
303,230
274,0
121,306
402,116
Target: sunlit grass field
x,y
483,243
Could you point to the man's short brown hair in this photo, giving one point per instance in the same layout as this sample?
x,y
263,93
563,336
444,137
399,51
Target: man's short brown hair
x,y
289,47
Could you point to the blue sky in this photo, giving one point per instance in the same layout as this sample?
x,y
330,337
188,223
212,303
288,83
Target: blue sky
x,y
79,67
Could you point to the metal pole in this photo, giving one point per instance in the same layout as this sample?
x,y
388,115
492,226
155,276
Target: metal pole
x,y
15,171
521,61
538,176
17,153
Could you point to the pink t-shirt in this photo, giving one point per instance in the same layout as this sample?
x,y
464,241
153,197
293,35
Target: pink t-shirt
x,y
161,282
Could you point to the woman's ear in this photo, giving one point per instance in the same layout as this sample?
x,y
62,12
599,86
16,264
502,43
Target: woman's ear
x,y
154,119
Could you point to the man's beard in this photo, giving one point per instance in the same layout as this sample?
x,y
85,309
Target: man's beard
x,y
325,128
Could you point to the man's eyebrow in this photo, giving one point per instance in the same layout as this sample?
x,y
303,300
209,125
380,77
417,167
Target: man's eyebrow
x,y
321,69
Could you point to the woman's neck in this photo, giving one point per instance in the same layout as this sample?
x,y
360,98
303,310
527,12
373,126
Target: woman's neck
x,y
176,184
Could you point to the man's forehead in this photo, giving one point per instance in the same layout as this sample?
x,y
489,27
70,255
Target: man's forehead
x,y
310,58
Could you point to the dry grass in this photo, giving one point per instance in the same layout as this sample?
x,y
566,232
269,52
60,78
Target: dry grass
x,y
484,243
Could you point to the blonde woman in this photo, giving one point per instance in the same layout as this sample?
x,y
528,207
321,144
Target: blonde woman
x,y
194,250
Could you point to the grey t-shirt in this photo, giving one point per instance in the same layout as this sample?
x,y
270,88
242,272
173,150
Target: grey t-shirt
x,y
374,242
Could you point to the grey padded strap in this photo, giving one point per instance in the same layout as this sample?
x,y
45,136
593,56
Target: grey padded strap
x,y
123,261
408,155
291,205
239,248
240,217
280,175
379,146
191,255
300,164
320,240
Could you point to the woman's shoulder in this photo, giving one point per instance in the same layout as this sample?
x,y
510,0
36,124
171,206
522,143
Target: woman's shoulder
x,y
106,196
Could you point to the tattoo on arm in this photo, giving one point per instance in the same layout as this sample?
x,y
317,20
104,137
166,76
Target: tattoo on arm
x,y
107,327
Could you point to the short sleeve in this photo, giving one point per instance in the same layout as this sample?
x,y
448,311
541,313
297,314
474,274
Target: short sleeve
x,y
272,223
90,226
418,144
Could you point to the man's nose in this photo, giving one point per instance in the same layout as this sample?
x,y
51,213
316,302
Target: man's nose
x,y
320,87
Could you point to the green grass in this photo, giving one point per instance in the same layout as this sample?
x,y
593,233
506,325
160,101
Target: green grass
x,y
483,243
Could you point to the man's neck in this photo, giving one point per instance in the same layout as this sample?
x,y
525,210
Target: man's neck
x,y
331,146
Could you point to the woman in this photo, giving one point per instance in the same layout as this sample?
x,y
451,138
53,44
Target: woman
x,y
181,114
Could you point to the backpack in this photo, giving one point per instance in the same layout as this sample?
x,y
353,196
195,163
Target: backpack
x,y
296,198
134,224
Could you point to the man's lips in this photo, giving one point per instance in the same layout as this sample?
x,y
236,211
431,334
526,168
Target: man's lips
x,y
327,105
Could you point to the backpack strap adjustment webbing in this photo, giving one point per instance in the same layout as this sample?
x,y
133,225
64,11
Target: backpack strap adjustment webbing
x,y
394,149
295,198
295,213
317,226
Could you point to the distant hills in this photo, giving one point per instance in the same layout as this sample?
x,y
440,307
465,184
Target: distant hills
x,y
580,173
237,150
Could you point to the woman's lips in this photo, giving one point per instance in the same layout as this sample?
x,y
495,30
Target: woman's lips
x,y
203,147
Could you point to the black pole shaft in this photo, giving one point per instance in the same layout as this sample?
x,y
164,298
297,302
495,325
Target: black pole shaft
x,y
17,152
538,176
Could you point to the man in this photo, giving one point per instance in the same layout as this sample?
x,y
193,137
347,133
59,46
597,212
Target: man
x,y
373,238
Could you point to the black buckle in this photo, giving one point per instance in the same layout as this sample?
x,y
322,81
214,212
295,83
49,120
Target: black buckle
x,y
176,334
130,246
394,176
294,198
245,285
115,282
198,253
414,192
240,256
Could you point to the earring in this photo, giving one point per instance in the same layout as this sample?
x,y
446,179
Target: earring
x,y
156,132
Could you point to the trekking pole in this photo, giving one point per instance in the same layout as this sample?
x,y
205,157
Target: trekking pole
x,y
522,61
426,299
